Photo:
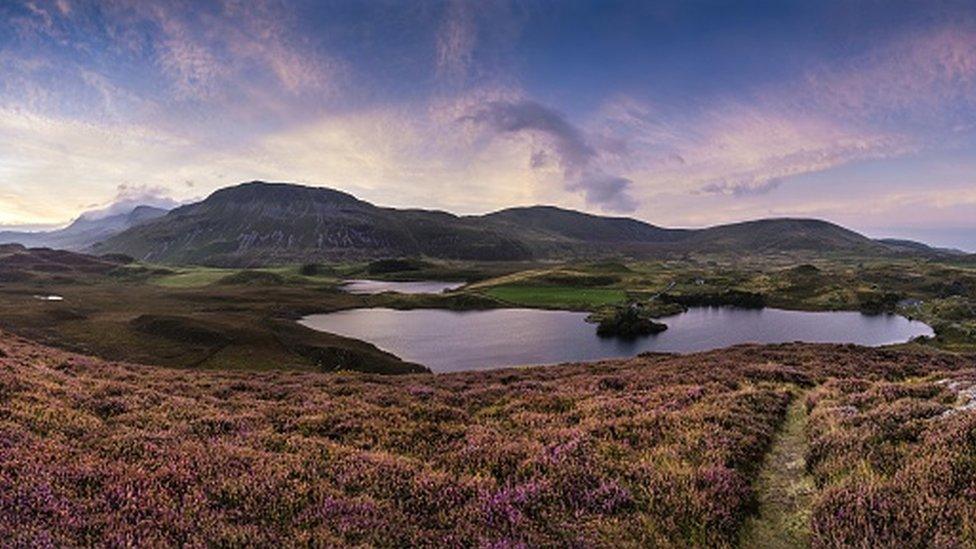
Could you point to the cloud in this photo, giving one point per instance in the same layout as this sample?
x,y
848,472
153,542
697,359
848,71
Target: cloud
x,y
158,93
611,192
456,39
128,197
204,52
576,157
475,41
730,150
195,71
920,79
953,206
742,189
913,94
61,165
528,116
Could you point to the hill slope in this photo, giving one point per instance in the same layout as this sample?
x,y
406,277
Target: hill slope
x,y
19,264
650,451
584,227
912,246
785,234
267,223
272,223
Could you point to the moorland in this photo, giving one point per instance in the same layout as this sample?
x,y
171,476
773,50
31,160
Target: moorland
x,y
653,451
147,399
204,317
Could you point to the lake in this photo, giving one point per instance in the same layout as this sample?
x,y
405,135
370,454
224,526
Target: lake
x,y
380,286
448,341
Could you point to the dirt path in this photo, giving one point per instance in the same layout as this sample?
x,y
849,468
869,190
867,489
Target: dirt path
x,y
784,489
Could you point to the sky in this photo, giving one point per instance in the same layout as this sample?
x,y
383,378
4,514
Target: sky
x,y
682,114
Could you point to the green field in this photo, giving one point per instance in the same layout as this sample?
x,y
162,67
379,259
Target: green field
x,y
192,278
557,297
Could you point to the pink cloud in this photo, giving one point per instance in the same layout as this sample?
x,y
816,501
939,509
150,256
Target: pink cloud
x,y
234,48
835,115
918,75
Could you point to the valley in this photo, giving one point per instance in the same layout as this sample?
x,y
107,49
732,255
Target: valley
x,y
512,274
199,396
203,317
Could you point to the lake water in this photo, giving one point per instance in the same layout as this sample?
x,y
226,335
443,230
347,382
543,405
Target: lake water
x,y
380,286
447,341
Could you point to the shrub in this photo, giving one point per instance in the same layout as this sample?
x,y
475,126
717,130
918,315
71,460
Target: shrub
x,y
314,269
652,451
895,463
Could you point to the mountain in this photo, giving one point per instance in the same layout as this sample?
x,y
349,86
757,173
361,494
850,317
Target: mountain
x,y
260,223
912,246
579,226
267,223
783,234
84,231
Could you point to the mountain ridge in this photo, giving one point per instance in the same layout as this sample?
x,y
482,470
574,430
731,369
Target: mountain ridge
x,y
84,231
258,223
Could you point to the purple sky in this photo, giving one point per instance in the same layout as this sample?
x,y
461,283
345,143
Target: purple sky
x,y
678,113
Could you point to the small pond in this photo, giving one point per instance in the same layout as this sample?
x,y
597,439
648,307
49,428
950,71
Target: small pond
x,y
380,286
447,341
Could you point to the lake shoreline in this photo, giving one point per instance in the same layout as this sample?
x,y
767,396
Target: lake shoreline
x,y
446,340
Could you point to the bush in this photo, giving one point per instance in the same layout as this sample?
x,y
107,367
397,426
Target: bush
x,y
878,302
895,463
314,269
385,266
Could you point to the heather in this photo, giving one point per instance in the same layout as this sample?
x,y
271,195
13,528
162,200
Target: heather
x,y
654,451
895,462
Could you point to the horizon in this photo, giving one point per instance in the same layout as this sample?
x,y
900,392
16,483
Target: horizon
x,y
678,115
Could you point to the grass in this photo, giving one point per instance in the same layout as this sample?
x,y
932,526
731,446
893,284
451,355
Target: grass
x,y
192,278
557,297
784,489
198,277
249,319
143,455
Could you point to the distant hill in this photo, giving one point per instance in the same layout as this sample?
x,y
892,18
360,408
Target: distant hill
x,y
584,227
785,234
272,223
84,231
912,246
19,264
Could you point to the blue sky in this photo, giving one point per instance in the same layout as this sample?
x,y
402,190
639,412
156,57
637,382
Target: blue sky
x,y
679,113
